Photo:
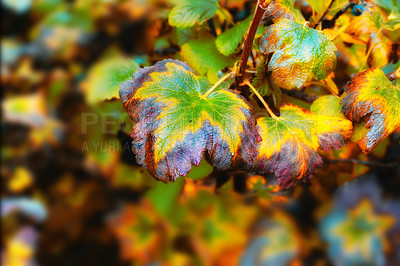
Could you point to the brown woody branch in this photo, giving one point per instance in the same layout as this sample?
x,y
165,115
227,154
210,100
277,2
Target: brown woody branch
x,y
248,42
299,94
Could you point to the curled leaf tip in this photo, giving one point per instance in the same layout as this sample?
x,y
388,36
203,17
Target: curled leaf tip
x,y
370,93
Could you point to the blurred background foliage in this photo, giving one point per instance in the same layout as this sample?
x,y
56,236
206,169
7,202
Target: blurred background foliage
x,y
72,193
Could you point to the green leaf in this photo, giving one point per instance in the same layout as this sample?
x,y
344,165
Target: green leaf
x,y
391,5
164,196
203,170
290,142
229,41
300,53
391,22
185,34
202,55
189,12
327,105
104,79
370,93
176,124
319,6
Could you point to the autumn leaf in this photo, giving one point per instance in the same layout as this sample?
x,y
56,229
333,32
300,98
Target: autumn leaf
x,y
300,53
380,47
327,105
371,94
189,12
290,142
177,124
281,9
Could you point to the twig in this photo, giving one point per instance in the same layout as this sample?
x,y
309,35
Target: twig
x,y
330,23
368,163
217,84
261,99
248,43
323,15
298,94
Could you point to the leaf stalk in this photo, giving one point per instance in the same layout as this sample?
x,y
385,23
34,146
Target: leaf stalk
x,y
248,42
217,84
254,90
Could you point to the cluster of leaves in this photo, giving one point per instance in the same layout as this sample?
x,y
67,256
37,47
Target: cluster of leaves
x,y
178,121
73,192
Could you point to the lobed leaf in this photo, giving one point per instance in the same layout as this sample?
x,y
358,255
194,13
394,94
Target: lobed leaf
x,y
189,12
176,124
290,142
370,93
300,53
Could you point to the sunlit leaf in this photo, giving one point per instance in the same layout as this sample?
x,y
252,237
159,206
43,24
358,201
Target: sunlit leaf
x,y
371,93
327,105
380,47
202,55
282,9
177,124
189,12
319,6
300,53
104,79
290,142
229,41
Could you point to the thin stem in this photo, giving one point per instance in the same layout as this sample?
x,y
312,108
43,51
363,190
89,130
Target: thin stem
x,y
261,99
217,84
331,23
323,15
298,94
248,43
